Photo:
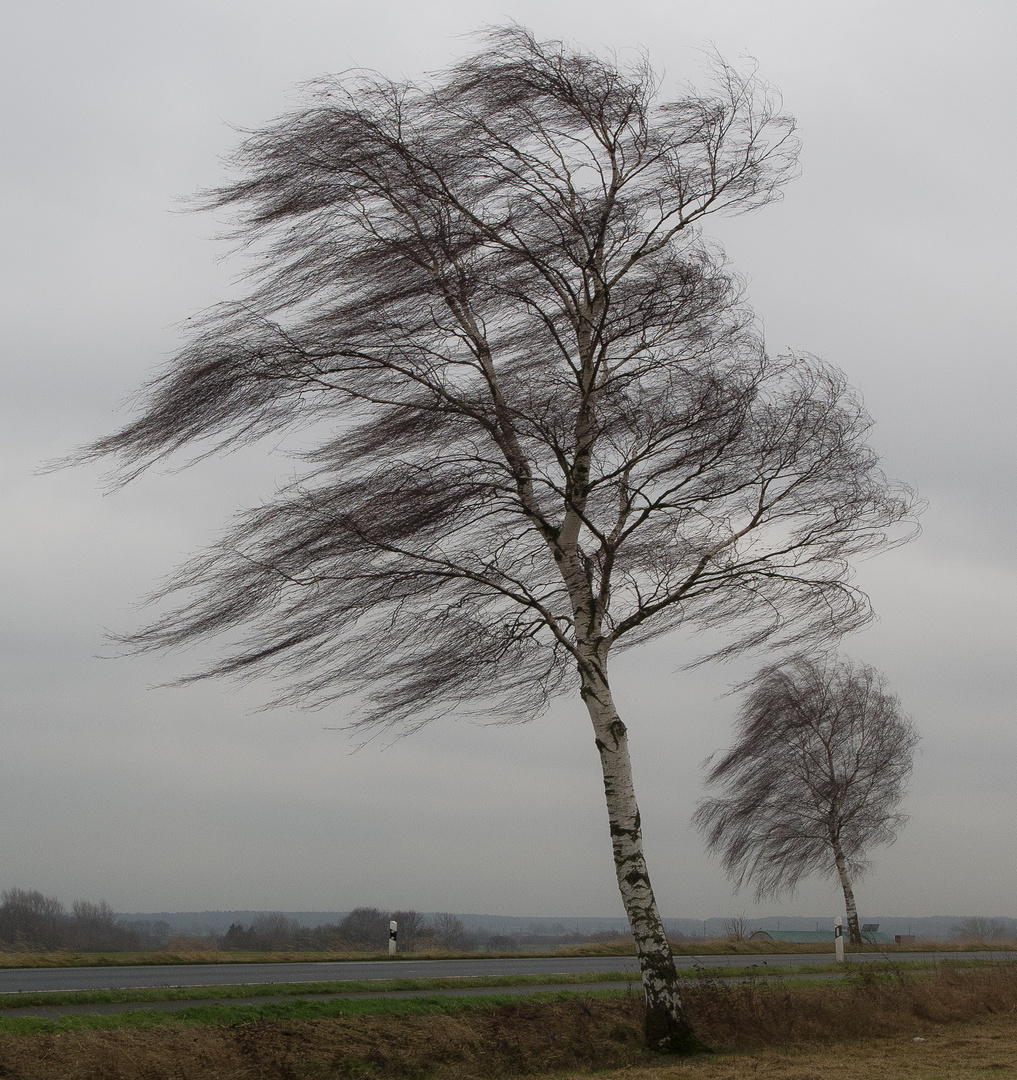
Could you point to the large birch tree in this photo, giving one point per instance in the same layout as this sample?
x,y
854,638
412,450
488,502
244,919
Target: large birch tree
x,y
550,427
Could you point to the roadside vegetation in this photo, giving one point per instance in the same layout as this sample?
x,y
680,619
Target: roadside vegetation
x,y
199,951
377,987
10,1003
941,1023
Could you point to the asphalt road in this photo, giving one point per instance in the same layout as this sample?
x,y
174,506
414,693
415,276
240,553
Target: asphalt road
x,y
15,980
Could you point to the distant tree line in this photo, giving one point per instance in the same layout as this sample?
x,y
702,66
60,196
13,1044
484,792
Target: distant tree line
x,y
364,929
31,921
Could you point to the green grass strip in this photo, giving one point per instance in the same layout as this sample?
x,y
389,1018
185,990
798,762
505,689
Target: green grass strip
x,y
297,1009
229,1015
249,990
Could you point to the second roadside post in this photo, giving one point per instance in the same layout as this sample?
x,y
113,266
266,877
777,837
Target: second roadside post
x,y
838,938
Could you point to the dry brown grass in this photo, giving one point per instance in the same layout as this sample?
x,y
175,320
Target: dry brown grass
x,y
505,1041
726,947
970,1051
968,1021
867,1005
191,953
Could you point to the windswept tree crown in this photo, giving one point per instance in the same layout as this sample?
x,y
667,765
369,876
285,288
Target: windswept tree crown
x,y
820,763
553,426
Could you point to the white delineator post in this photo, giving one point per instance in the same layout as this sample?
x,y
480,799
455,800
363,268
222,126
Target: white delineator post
x,y
393,932
838,938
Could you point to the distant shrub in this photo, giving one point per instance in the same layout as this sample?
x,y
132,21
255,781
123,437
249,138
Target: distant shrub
x,y
983,931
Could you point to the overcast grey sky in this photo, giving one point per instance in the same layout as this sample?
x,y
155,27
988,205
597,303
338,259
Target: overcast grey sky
x,y
892,256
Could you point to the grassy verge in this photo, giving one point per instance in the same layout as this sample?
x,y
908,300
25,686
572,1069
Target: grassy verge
x,y
232,1015
142,995
249,990
209,956
376,1001
869,1024
238,992
757,948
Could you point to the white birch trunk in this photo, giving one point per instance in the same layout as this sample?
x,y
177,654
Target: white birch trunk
x,y
667,1027
854,931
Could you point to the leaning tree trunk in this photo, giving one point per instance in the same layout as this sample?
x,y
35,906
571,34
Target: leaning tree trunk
x,y
667,1027
854,932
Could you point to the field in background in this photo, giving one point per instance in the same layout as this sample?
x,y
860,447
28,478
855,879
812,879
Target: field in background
x,y
199,953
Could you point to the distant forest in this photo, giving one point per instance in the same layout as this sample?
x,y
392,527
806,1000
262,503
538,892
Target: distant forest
x,y
30,921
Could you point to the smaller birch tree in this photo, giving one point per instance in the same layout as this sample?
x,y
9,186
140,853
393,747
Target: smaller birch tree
x,y
814,779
